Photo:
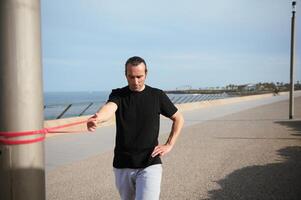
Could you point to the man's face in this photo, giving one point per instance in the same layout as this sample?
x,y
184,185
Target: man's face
x,y
136,76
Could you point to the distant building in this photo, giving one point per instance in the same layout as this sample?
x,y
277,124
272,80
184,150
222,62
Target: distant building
x,y
184,87
247,87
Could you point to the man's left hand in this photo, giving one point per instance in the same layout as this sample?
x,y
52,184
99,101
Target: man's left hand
x,y
161,150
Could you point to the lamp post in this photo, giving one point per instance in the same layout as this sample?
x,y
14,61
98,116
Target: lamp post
x,y
292,62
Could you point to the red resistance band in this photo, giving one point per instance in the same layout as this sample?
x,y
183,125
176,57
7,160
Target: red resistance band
x,y
6,136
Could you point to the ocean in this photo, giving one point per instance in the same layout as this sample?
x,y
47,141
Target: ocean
x,y
51,98
69,104
76,103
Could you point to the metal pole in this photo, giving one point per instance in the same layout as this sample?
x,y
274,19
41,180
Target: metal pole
x,y
21,102
292,63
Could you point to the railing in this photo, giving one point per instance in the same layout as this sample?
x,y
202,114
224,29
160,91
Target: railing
x,y
189,98
57,111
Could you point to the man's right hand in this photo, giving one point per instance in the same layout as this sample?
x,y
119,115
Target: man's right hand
x,y
92,123
104,114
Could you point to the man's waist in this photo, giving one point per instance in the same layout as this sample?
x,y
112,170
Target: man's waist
x,y
133,151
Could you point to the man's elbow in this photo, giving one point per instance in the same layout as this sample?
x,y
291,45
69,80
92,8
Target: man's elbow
x,y
182,118
178,117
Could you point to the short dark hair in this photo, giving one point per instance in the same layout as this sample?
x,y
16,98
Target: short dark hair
x,y
135,61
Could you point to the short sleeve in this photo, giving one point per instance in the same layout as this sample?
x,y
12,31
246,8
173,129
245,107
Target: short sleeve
x,y
114,97
167,108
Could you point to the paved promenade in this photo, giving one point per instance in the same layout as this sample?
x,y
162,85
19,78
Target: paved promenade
x,y
247,150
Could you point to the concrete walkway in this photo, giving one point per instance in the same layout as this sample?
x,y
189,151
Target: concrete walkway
x,y
69,148
246,150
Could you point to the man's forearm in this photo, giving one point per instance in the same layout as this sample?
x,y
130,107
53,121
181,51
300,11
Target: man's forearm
x,y
177,126
106,112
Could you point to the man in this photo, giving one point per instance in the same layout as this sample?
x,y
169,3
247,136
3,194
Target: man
x,y
137,108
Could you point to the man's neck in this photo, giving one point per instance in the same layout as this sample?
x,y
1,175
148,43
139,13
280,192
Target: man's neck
x,y
142,88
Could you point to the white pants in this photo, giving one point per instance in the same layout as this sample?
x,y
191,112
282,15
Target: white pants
x,y
139,184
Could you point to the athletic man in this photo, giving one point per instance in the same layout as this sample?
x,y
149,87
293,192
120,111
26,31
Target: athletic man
x,y
137,108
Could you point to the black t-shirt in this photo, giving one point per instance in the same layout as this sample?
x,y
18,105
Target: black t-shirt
x,y
137,125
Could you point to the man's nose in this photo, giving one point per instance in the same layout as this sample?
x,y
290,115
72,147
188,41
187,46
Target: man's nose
x,y
136,81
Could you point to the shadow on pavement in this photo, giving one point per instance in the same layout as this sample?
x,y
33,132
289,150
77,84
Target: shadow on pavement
x,y
281,180
294,125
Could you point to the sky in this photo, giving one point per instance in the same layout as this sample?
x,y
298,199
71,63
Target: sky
x,y
189,43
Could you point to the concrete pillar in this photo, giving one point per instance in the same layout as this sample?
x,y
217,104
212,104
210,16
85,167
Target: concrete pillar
x,y
21,99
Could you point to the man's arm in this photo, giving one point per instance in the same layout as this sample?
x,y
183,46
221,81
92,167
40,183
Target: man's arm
x,y
177,126
103,114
